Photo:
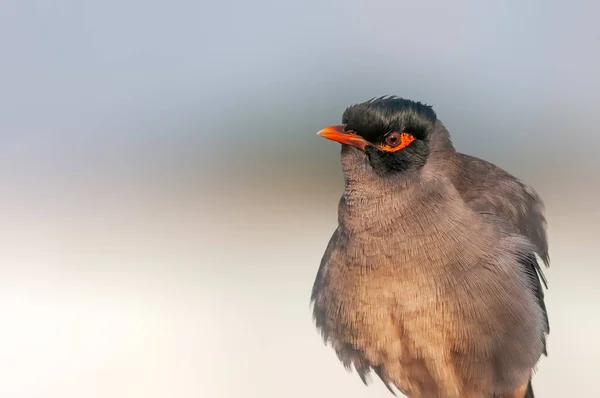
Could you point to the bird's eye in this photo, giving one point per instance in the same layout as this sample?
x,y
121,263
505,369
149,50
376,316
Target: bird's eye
x,y
393,139
396,141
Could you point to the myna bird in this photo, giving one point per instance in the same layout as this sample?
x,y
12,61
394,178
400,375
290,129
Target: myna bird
x,y
431,278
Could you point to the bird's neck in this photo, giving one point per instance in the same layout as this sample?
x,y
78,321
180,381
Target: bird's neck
x,y
440,141
368,205
375,204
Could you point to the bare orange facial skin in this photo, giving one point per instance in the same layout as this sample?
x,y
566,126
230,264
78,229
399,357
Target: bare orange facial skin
x,y
405,139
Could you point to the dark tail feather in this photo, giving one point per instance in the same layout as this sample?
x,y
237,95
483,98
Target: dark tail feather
x,y
529,392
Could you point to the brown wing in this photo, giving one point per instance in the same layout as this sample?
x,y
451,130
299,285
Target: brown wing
x,y
484,185
490,189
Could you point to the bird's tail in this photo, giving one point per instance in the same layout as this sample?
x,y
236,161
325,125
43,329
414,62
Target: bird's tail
x,y
529,392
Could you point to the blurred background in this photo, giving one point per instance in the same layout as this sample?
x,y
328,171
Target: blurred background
x,y
165,201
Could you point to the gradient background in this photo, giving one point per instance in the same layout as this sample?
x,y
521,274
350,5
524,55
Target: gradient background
x,y
165,201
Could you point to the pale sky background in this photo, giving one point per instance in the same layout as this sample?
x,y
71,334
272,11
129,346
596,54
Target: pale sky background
x,y
166,201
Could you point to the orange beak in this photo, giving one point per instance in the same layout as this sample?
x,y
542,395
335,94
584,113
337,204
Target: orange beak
x,y
338,134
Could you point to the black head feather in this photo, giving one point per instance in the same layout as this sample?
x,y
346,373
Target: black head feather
x,y
375,118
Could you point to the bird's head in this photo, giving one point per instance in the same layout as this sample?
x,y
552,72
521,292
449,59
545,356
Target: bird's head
x,y
390,134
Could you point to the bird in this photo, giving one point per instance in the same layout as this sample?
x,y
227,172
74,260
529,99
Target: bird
x,y
432,279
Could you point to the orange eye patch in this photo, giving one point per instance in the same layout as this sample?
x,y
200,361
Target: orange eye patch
x,y
395,141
